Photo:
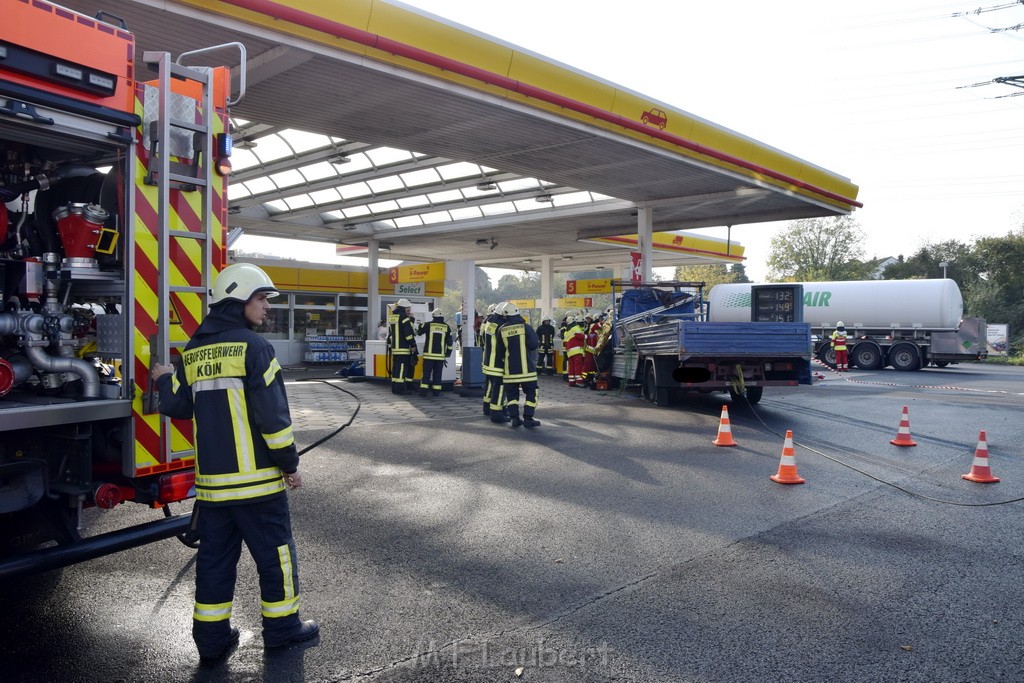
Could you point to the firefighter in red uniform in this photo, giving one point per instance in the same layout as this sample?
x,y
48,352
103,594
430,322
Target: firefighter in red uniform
x,y
402,342
573,342
517,353
437,346
590,329
839,346
231,384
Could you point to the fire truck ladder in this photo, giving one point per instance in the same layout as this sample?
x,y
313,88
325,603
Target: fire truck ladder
x,y
179,119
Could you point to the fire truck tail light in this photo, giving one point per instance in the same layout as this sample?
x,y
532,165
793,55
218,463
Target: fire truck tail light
x,y
177,486
107,496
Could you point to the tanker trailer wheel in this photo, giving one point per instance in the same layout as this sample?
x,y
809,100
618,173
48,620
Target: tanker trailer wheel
x,y
867,356
905,357
941,363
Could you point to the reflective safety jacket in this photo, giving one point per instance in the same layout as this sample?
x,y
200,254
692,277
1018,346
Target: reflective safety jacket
x,y
573,340
546,336
438,342
230,382
492,364
401,335
839,340
517,344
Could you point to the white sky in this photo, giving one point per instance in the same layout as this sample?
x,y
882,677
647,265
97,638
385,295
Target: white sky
x,y
871,90
866,89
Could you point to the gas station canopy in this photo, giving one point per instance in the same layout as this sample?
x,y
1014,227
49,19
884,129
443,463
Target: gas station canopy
x,y
368,122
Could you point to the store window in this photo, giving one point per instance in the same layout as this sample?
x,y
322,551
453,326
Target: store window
x,y
276,324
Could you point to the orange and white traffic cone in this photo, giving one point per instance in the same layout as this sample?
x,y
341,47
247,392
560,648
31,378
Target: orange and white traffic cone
x,y
787,465
724,430
980,471
903,435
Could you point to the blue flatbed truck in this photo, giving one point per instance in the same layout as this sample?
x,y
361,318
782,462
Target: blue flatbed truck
x,y
664,344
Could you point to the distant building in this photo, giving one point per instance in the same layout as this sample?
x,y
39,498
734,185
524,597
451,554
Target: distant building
x,y
882,265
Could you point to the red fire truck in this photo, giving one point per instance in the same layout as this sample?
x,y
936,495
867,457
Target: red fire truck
x,y
113,209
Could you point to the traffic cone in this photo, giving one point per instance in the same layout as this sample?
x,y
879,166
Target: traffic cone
x,y
903,435
787,465
980,471
724,430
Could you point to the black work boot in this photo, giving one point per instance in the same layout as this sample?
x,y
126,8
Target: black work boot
x,y
309,630
513,412
210,657
530,422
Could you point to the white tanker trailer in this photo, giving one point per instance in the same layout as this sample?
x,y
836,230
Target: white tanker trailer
x,y
903,323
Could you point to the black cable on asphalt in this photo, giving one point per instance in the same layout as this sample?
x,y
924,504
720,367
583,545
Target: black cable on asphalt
x,y
359,404
879,480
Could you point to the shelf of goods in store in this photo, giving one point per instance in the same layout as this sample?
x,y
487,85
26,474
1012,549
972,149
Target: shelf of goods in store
x,y
332,348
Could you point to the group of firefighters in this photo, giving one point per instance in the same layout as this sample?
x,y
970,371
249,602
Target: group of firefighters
x,y
513,354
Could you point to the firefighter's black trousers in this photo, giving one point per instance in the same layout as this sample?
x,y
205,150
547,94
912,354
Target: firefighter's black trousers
x,y
266,529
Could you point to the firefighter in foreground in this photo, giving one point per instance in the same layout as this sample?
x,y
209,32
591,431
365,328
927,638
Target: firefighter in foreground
x,y
437,347
230,382
517,354
839,346
402,344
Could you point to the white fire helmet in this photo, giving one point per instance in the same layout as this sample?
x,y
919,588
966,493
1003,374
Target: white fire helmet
x,y
510,309
437,313
403,303
840,324
240,281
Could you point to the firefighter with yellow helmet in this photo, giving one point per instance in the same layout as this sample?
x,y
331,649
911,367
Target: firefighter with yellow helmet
x,y
230,383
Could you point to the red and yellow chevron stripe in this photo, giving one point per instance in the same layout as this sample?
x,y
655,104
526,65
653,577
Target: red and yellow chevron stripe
x,y
184,266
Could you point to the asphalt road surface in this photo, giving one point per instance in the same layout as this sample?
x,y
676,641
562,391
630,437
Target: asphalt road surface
x,y
613,543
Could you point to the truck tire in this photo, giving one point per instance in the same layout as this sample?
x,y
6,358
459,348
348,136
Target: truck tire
x,y
649,390
905,356
867,356
753,396
941,363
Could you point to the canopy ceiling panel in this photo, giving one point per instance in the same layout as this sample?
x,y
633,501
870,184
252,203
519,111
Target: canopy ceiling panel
x,y
302,81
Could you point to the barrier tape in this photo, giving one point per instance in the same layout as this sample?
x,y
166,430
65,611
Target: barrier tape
x,y
843,377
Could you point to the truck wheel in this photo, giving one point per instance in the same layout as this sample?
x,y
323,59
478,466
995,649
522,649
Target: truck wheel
x,y
904,357
941,363
867,356
827,355
650,391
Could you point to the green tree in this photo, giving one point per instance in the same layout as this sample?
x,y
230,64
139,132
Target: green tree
x,y
998,292
740,272
711,274
817,249
961,259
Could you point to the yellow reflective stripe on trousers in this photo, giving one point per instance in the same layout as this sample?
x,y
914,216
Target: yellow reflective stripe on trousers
x,y
271,372
290,604
244,452
280,439
218,612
